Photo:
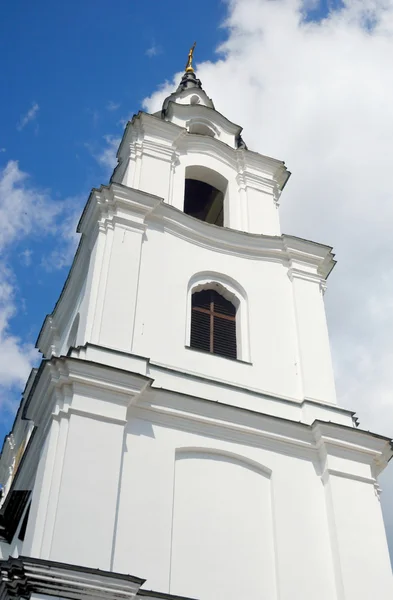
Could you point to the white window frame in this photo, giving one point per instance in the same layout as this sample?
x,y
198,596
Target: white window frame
x,y
233,292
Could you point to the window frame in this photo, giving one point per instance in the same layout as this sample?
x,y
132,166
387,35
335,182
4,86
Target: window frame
x,y
232,291
216,320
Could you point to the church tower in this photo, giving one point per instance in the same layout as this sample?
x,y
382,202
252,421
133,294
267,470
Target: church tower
x,y
182,432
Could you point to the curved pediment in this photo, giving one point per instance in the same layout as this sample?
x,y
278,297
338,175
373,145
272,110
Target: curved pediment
x,y
204,120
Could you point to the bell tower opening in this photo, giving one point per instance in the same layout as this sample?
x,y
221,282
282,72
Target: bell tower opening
x,y
204,202
204,195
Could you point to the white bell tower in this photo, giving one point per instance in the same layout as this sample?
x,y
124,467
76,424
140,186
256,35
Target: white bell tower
x,y
182,428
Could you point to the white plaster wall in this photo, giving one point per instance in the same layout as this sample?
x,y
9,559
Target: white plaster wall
x,y
83,526
203,500
136,299
213,528
168,263
262,212
358,540
313,339
155,175
157,153
138,302
75,496
64,327
119,289
213,493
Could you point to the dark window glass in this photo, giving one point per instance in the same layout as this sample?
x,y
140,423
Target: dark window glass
x,y
213,324
204,202
22,531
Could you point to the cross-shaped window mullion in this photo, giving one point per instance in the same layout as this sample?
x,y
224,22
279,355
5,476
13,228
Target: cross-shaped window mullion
x,y
212,315
208,311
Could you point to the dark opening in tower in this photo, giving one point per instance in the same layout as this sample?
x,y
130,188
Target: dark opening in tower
x,y
204,201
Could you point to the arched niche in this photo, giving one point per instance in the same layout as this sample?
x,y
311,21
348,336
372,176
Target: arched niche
x,y
222,525
201,129
204,194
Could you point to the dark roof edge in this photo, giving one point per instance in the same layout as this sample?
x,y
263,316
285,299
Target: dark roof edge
x,y
152,594
71,567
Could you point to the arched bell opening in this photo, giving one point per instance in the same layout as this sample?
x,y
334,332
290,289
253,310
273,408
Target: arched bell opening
x,y
204,195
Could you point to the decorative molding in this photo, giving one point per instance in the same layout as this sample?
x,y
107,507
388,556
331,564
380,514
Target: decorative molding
x,y
377,490
205,113
21,577
60,377
245,180
294,273
345,475
138,208
200,120
322,286
232,291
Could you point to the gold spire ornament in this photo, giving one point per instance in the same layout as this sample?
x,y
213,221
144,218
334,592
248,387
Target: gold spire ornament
x,y
189,67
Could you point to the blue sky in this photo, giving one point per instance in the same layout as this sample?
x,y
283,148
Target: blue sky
x,y
311,86
73,73
73,59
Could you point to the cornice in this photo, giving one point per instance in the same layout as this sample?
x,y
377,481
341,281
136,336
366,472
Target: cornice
x,y
61,382
151,125
190,111
138,209
59,377
107,202
151,135
134,209
140,364
317,440
245,180
23,576
157,150
204,144
143,123
20,577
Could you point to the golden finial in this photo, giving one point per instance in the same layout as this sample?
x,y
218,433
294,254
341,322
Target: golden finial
x,y
189,67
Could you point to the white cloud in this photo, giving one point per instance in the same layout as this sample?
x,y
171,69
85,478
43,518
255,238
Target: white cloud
x,y
24,210
25,213
106,156
153,50
319,95
16,357
31,115
25,257
111,106
67,238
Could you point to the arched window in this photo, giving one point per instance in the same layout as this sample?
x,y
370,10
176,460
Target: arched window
x,y
204,195
213,323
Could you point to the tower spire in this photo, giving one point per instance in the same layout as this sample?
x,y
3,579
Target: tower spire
x,y
189,79
189,68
